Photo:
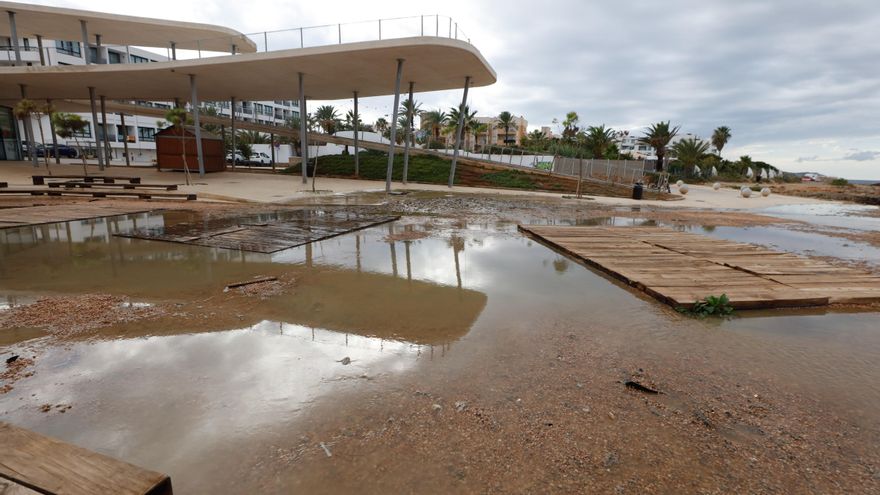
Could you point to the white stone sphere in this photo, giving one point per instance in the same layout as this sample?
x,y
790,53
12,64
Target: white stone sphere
x,y
765,192
745,192
716,186
679,183
683,188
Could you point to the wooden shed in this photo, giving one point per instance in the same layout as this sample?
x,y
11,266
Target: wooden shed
x,y
170,144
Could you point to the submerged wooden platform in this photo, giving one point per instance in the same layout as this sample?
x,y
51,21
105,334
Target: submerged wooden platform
x,y
292,229
681,268
38,215
99,193
33,463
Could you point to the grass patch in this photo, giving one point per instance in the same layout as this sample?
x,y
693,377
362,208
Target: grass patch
x,y
374,164
840,182
513,179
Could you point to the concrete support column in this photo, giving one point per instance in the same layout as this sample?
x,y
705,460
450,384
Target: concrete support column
x,y
108,150
85,41
98,58
28,124
272,148
173,51
232,127
125,139
194,101
94,109
13,36
393,126
459,130
408,134
40,48
50,112
233,49
357,119
303,128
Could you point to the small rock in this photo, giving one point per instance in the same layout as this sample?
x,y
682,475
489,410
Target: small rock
x,y
436,407
12,359
585,410
461,405
610,415
345,361
611,459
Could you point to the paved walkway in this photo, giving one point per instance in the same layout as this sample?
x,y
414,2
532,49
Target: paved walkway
x,y
267,187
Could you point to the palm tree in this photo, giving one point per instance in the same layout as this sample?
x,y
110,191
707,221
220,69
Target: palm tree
x,y
690,151
469,121
569,126
720,137
177,118
69,125
381,126
252,137
409,116
598,140
505,121
437,119
351,123
658,137
327,118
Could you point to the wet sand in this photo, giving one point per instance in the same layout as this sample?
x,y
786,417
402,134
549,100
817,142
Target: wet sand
x,y
478,361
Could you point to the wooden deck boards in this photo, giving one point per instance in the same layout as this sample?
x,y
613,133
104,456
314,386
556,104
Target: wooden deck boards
x,y
680,268
30,461
38,215
295,229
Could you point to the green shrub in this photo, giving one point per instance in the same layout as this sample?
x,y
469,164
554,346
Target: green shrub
x,y
710,306
840,182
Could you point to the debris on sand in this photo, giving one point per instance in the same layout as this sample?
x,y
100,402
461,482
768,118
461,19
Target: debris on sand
x,y
71,315
345,361
262,287
12,359
461,406
16,369
326,449
258,280
641,388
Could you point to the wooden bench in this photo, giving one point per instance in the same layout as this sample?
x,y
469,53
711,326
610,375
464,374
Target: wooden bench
x,y
88,185
33,463
100,194
40,180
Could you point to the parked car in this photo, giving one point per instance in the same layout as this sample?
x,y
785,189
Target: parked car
x,y
260,159
239,158
64,151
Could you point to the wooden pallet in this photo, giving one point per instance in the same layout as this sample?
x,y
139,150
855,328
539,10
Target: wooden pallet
x,y
38,215
33,463
101,193
294,229
681,268
40,180
111,185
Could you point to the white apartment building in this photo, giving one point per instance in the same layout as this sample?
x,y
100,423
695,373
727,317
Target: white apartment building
x,y
139,130
629,143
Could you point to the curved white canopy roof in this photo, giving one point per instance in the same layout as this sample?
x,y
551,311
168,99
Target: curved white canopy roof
x,y
331,72
64,24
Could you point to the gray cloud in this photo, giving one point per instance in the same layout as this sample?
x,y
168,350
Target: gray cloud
x,y
862,156
802,159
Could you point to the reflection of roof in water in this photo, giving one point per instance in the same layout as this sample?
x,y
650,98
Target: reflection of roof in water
x,y
381,306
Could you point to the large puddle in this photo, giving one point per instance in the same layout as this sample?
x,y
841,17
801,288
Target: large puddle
x,y
186,399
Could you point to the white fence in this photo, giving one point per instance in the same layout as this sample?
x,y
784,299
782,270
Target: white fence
x,y
614,171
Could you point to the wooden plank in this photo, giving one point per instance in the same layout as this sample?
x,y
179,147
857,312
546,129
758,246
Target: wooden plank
x,y
680,268
39,180
51,466
37,215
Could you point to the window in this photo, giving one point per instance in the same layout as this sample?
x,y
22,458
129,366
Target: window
x,y
86,132
68,48
146,134
137,59
115,57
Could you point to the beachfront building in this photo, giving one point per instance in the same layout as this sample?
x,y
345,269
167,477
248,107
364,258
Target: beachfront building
x,y
139,130
493,135
629,142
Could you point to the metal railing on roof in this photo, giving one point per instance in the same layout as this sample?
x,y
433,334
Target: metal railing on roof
x,y
434,25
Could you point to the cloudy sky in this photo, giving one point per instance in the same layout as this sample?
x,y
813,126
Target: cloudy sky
x,y
798,81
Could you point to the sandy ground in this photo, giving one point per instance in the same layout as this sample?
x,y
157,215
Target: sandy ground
x,y
544,410
276,188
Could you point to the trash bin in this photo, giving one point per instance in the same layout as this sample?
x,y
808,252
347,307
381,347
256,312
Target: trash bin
x,y
638,189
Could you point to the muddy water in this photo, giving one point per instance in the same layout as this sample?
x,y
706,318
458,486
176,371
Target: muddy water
x,y
205,402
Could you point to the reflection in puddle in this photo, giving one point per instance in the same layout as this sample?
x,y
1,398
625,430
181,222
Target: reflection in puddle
x,y
843,216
